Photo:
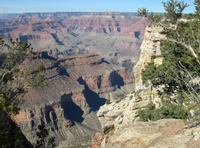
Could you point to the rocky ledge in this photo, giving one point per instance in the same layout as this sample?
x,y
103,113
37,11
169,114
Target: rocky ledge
x,y
165,133
120,112
122,127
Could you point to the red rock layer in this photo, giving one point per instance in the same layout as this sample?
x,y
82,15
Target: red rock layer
x,y
137,29
96,140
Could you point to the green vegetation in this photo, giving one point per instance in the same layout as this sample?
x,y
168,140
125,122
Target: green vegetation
x,y
107,101
142,12
119,97
197,7
174,10
179,73
42,136
14,82
168,110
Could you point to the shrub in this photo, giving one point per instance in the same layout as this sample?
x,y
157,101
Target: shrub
x,y
107,101
120,96
168,110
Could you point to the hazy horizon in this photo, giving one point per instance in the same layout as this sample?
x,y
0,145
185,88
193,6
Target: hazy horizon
x,y
24,6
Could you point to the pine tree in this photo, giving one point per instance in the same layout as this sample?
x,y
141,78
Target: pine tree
x,y
197,7
13,86
142,12
174,10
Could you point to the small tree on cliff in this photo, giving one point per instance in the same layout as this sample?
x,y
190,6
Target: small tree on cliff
x,y
174,10
197,7
42,136
14,83
179,73
142,12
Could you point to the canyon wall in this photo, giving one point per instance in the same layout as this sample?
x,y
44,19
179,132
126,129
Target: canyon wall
x,y
67,106
78,85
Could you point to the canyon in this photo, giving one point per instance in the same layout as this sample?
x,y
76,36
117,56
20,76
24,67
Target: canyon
x,y
78,86
115,36
89,57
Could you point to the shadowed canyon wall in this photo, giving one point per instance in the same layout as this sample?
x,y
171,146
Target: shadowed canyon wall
x,y
78,86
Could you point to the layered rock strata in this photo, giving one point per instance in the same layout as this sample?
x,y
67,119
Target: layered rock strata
x,y
115,36
67,106
150,50
122,127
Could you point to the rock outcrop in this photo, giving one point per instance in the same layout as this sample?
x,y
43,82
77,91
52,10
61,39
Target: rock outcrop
x,y
121,112
122,127
120,122
76,86
150,50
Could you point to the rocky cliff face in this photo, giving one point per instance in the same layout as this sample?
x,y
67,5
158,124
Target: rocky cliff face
x,y
67,106
150,50
124,111
119,119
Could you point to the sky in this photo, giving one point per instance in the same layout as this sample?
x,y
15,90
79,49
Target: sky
x,y
21,6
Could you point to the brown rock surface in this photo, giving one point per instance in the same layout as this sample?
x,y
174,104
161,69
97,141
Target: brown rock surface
x,y
96,140
67,106
137,30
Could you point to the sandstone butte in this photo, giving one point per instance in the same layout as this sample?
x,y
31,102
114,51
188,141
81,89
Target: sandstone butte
x,y
121,125
78,86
